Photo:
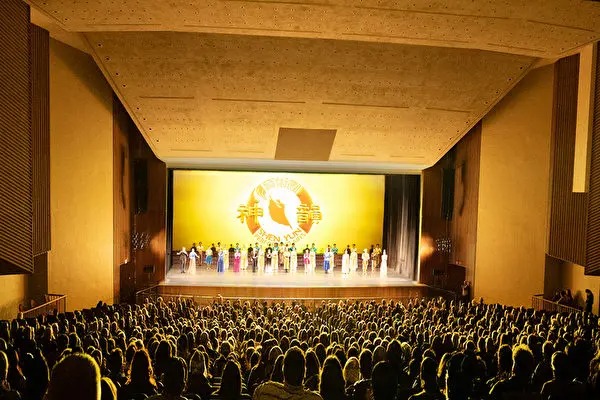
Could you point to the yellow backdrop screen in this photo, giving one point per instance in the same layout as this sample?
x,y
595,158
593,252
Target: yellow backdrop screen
x,y
249,207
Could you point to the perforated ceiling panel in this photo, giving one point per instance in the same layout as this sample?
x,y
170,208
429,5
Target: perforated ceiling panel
x,y
218,96
541,28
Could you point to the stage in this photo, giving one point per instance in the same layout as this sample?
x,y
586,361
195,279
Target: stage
x,y
206,283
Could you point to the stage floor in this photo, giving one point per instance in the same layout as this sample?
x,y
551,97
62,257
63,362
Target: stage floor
x,y
319,279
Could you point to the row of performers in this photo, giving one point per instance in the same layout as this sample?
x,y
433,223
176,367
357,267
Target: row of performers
x,y
280,257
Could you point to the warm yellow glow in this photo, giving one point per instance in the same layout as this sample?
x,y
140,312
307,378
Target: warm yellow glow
x,y
213,206
427,247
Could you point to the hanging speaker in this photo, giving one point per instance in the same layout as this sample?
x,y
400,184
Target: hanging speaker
x,y
447,193
140,185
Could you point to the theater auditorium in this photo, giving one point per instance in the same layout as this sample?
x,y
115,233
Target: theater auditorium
x,y
299,199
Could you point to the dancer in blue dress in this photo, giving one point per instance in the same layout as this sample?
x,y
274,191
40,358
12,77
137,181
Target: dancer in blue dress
x,y
220,261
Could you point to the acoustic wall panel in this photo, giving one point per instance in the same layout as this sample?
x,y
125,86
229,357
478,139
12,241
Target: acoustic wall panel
x,y
16,215
40,135
592,262
568,213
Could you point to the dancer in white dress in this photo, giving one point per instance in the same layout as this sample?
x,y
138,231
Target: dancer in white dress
x,y
261,260
346,261
353,259
313,259
225,259
365,261
192,264
243,258
383,267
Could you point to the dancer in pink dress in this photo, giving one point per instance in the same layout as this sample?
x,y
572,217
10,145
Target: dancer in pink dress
x,y
236,260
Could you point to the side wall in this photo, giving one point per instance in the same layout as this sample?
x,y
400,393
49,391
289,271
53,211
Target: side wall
x,y
81,179
513,192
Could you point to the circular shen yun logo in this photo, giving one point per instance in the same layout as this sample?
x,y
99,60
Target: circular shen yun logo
x,y
279,210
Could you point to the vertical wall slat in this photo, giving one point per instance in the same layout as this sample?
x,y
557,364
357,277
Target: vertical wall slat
x,y
16,208
40,134
592,263
568,213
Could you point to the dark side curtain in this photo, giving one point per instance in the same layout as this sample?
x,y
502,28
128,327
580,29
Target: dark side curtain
x,y
401,223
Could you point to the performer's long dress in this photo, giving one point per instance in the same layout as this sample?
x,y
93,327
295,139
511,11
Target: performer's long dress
x,y
365,262
236,261
268,262
244,260
192,266
275,260
313,261
225,259
220,262
209,257
345,263
353,261
261,260
306,259
286,261
293,260
383,267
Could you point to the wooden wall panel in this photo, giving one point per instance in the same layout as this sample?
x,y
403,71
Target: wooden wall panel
x,y
592,262
122,192
568,210
463,228
40,135
151,222
16,219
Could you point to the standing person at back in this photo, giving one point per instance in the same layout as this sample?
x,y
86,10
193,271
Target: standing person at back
x,y
293,374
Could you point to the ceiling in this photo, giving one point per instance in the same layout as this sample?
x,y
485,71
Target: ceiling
x,y
210,83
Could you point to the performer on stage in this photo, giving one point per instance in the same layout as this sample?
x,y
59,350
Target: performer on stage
x,y
192,264
182,259
252,257
200,251
237,257
230,256
353,259
225,258
313,248
286,260
214,253
313,259
275,258
346,260
261,260
244,257
383,268
293,258
209,256
334,252
281,258
220,261
268,257
306,259
327,259
375,257
365,261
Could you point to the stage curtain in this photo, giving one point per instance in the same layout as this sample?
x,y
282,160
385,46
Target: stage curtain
x,y
401,223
